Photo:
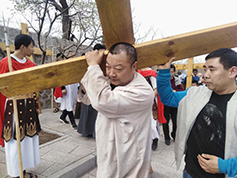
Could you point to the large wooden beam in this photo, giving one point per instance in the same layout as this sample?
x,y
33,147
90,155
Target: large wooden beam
x,y
116,21
151,53
42,77
189,76
187,45
185,66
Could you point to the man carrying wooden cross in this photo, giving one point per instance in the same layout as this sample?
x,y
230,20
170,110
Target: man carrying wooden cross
x,y
123,100
27,113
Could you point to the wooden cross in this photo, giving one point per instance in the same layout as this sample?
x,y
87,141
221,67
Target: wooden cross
x,y
189,66
116,20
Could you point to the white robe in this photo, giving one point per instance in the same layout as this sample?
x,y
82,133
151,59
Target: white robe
x,y
29,152
155,132
58,100
68,100
29,149
123,125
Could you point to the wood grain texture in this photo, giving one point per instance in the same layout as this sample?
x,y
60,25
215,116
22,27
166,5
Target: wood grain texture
x,y
42,77
116,20
189,73
185,66
150,53
186,45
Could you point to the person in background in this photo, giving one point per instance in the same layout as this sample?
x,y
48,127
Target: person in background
x,y
150,76
200,75
28,111
171,112
194,77
183,75
68,101
195,83
58,91
88,114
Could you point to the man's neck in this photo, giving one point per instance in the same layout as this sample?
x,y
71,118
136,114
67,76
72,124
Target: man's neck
x,y
229,90
19,54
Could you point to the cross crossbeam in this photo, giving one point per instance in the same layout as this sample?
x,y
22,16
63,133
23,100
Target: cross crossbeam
x,y
149,53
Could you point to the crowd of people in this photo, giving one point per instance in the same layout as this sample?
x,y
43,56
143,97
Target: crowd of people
x,y
125,110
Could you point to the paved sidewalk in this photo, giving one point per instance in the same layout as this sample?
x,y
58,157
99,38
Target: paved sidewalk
x,y
69,156
163,163
74,156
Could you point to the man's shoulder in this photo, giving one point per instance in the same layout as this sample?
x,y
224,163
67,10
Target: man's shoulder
x,y
139,79
28,61
3,64
139,82
198,90
4,60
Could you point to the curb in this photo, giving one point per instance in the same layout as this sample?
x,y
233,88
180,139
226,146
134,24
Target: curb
x,y
78,168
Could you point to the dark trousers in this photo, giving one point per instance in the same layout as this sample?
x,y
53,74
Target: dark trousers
x,y
170,112
70,115
78,110
186,174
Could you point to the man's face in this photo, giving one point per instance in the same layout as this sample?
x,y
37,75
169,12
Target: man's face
x,y
29,50
195,72
172,72
216,77
119,69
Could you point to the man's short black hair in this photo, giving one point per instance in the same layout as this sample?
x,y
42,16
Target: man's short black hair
x,y
228,57
195,81
99,46
172,67
130,50
195,70
23,39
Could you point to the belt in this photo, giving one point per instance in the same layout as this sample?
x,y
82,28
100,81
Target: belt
x,y
30,95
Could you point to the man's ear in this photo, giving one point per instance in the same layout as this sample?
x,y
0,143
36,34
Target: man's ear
x,y
22,47
134,66
233,72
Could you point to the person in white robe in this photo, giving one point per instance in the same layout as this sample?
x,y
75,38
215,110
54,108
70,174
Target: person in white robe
x,y
123,100
68,103
150,76
24,46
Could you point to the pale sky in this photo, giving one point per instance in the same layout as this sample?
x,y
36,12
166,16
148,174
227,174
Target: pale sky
x,y
170,17
174,17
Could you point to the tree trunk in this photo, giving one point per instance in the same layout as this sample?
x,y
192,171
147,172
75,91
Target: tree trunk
x,y
66,22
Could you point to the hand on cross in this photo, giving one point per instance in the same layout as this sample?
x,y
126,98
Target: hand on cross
x,y
94,57
166,65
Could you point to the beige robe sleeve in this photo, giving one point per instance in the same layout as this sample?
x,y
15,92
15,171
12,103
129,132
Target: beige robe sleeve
x,y
82,97
123,99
